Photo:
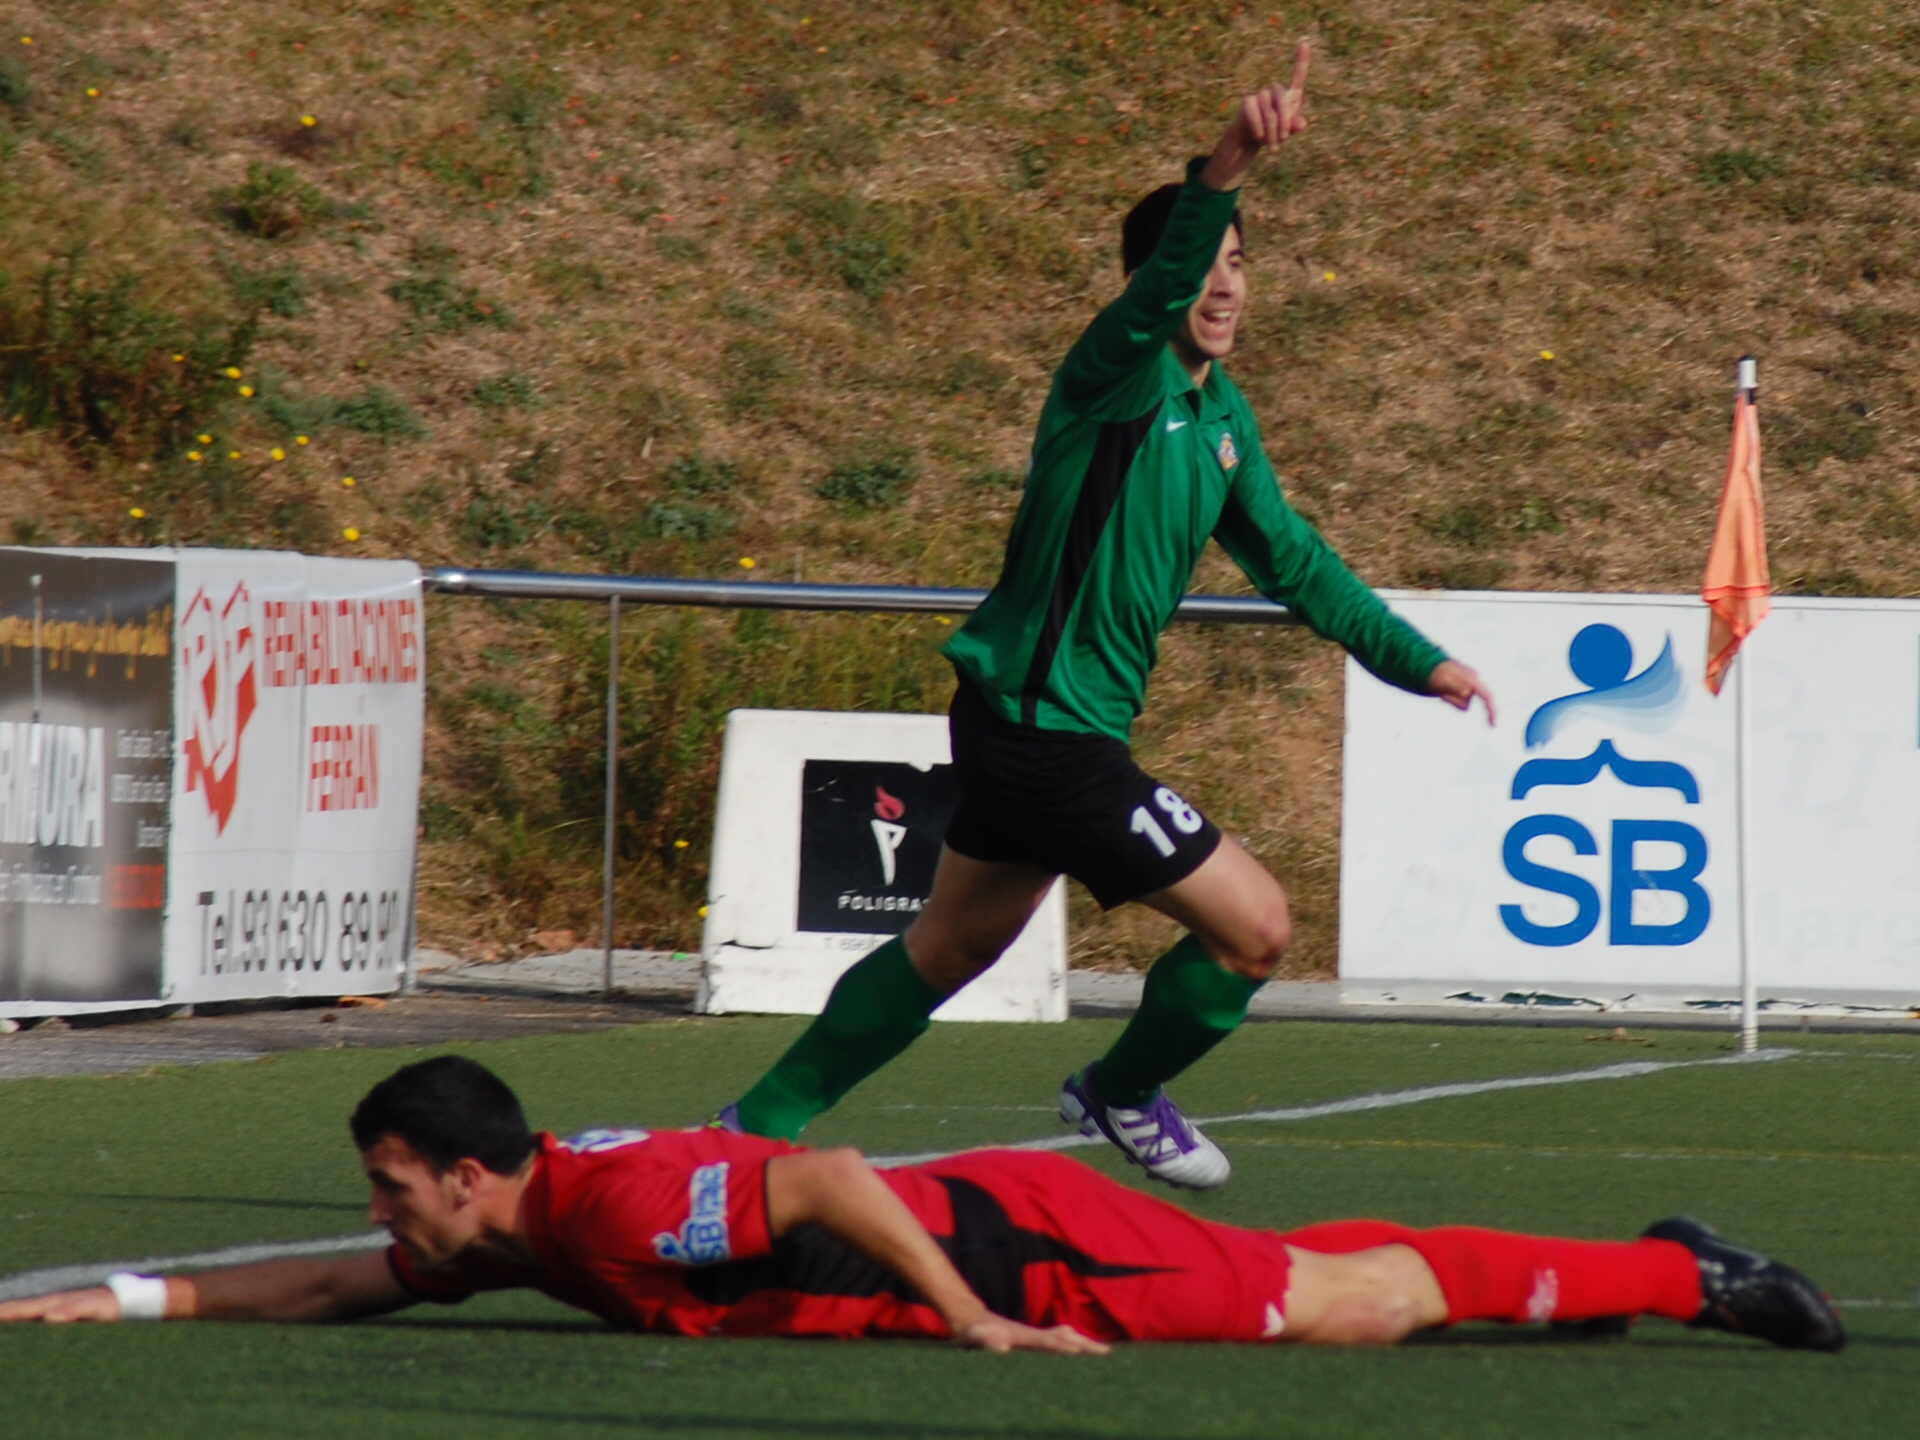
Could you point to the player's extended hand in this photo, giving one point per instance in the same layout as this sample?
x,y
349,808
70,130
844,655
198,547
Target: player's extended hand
x,y
1271,115
1265,118
1457,685
1000,1335
63,1307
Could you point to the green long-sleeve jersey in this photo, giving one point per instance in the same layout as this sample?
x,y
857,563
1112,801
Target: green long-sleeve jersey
x,y
1133,469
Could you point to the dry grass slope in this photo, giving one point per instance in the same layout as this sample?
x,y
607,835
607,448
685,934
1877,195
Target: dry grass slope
x,y
664,287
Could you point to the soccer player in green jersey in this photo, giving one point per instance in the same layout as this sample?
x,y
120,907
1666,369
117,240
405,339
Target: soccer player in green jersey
x,y
1145,451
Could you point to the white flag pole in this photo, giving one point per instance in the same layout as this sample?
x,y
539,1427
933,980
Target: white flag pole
x,y
1749,1000
1748,384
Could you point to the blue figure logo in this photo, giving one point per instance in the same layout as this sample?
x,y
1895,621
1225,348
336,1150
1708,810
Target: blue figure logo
x,y
1601,658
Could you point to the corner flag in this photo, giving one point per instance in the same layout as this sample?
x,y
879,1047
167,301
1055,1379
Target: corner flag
x,y
1736,585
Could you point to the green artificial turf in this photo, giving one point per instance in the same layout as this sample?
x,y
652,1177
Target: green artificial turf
x,y
1811,1156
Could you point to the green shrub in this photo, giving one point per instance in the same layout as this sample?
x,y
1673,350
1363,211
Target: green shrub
x,y
450,305
1805,440
16,87
523,101
1472,525
280,292
89,353
998,478
298,414
670,520
972,372
682,249
1723,167
695,475
869,263
376,410
500,392
272,203
542,462
491,522
876,484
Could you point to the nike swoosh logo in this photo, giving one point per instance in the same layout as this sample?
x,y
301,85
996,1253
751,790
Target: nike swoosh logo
x,y
1173,425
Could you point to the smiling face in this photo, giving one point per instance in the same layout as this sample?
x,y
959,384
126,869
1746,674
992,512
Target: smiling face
x,y
1212,323
432,1214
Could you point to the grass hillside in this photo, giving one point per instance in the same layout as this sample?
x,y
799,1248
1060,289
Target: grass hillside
x,y
673,288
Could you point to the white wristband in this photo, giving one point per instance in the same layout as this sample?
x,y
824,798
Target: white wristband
x,y
141,1297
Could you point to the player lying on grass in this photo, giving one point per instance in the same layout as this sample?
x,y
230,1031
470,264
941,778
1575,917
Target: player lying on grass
x,y
1145,451
706,1232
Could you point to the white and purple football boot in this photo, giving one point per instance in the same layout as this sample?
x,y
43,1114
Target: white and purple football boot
x,y
1156,1136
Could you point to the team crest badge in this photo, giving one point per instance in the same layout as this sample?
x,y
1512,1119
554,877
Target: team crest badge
x,y
1229,457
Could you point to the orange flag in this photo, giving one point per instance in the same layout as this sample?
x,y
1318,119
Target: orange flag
x,y
1736,583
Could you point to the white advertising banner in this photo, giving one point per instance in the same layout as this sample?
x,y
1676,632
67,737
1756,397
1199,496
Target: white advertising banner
x,y
209,776
825,840
297,780
1584,851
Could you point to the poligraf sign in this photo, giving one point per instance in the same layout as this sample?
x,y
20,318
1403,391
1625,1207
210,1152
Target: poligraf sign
x,y
870,837
209,775
825,840
86,717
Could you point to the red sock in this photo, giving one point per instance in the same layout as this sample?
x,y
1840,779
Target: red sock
x,y
1497,1275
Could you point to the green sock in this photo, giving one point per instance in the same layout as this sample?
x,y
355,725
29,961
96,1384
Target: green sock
x,y
1190,1003
876,1010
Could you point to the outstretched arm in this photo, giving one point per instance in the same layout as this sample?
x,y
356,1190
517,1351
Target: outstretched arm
x,y
315,1290
1266,118
1131,331
838,1191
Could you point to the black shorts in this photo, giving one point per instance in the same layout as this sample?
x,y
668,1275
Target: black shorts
x,y
1073,804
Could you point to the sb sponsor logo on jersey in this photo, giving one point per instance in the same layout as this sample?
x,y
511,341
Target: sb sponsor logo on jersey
x,y
598,1142
703,1237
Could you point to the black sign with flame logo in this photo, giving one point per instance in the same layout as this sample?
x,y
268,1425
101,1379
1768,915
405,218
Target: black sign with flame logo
x,y
870,835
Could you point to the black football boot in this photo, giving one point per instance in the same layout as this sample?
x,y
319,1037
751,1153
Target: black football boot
x,y
1747,1293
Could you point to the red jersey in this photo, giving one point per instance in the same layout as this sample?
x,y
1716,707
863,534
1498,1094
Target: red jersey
x,y
667,1231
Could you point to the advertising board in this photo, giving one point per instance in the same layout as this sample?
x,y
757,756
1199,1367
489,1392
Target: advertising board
x,y
1584,851
209,776
825,840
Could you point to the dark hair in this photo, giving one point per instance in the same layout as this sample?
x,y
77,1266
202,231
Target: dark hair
x,y
1140,232
448,1109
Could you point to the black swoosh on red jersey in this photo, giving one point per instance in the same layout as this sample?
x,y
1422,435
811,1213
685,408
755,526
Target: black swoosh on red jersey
x,y
987,1248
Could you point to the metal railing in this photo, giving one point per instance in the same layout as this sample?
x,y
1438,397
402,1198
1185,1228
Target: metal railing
x,y
755,595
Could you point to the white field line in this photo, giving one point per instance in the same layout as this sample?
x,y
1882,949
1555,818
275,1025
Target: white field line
x,y
1388,1100
69,1277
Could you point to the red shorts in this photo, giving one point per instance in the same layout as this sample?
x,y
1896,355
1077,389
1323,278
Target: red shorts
x,y
1091,1253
